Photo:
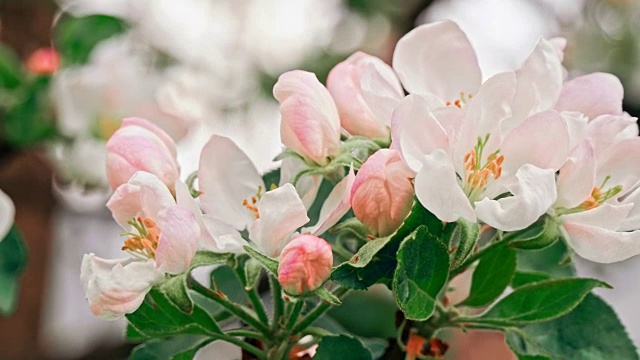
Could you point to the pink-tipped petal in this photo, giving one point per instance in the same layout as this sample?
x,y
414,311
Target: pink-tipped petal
x,y
607,130
382,194
139,145
116,287
226,178
438,190
310,122
336,205
179,238
349,80
437,59
602,245
532,195
281,213
305,264
594,94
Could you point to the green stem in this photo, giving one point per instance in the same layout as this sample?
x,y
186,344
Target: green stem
x,y
278,302
316,313
221,299
258,306
295,313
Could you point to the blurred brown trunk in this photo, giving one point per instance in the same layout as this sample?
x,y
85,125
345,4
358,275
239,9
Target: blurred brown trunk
x,y
25,25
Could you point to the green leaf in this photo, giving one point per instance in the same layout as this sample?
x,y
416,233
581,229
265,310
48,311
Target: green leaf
x,y
423,269
175,289
539,235
492,276
270,264
376,261
205,258
182,347
591,331
10,68
252,271
13,260
344,346
551,260
371,314
538,302
75,38
159,317
467,234
527,277
30,121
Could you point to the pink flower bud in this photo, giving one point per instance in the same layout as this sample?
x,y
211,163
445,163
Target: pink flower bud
x,y
366,91
305,264
310,122
139,145
43,61
382,194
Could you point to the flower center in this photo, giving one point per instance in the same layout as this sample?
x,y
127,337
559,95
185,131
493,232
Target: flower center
x,y
597,198
105,126
145,242
461,101
251,203
477,174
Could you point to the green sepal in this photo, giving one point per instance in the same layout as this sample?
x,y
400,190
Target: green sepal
x,y
492,276
252,271
422,273
269,263
327,296
464,235
205,258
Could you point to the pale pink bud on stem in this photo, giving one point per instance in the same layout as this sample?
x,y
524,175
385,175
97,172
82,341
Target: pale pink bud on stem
x,y
139,145
382,194
43,61
305,264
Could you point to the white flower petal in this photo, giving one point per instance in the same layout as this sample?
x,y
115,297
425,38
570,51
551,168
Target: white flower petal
x,y
7,214
281,213
532,195
438,59
437,189
593,94
416,131
577,176
226,237
606,130
620,162
602,245
632,222
117,287
606,216
226,177
307,186
179,238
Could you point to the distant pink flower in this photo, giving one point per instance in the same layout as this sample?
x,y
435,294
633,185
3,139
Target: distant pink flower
x,y
310,123
162,239
382,193
366,90
305,264
43,61
141,146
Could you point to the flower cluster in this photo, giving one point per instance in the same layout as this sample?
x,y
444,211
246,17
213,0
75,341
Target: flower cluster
x,y
504,153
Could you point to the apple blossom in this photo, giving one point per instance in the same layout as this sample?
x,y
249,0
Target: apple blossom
x,y
235,198
7,213
593,95
365,90
310,122
162,239
464,161
139,145
382,193
305,264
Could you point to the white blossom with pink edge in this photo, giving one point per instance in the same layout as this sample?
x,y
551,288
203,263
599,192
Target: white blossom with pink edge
x,y
7,214
234,198
162,239
599,202
464,161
